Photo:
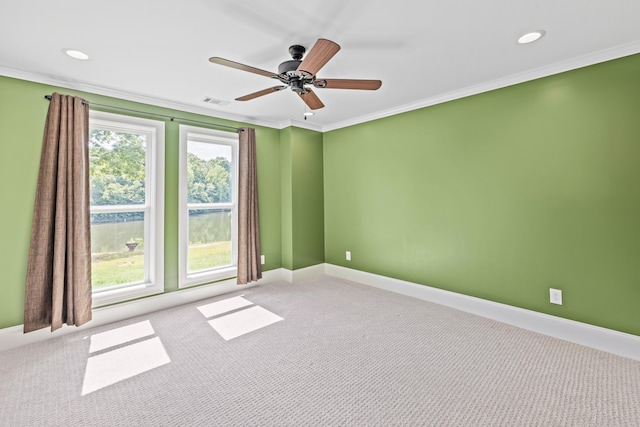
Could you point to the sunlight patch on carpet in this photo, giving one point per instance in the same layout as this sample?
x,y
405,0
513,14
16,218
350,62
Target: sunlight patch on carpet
x,y
119,336
116,365
224,306
242,322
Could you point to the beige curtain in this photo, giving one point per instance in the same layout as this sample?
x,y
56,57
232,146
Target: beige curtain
x,y
58,288
249,267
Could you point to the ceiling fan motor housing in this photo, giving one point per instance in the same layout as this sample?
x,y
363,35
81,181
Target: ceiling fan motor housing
x,y
289,67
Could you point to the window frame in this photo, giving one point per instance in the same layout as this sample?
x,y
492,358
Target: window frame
x,y
153,207
199,134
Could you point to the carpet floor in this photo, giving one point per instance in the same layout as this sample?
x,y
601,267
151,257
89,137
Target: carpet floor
x,y
325,352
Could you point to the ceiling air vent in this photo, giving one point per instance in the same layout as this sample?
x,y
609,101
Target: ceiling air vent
x,y
210,100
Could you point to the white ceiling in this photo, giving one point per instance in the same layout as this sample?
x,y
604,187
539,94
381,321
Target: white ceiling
x,y
157,51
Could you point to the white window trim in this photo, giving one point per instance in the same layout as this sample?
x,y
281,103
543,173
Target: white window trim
x,y
186,279
153,207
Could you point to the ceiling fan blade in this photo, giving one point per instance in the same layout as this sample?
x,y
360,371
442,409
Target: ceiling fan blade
x,y
347,84
239,66
311,99
320,54
261,93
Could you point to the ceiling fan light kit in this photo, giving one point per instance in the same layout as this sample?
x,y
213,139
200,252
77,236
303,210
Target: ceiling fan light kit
x,y
298,74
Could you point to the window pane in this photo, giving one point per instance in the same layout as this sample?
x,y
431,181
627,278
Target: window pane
x,y
117,249
117,167
208,173
209,239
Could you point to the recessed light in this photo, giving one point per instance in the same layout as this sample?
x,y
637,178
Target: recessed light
x,y
531,37
76,54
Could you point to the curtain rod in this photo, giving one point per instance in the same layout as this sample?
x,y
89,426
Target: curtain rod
x,y
172,118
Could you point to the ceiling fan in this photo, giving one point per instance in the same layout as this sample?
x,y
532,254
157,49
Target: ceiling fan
x,y
300,74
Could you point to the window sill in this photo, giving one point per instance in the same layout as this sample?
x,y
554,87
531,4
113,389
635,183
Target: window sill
x,y
114,296
201,278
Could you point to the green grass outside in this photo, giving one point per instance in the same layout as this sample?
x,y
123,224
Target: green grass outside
x,y
209,255
116,268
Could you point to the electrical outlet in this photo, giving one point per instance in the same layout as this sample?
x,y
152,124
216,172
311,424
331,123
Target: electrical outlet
x,y
555,296
348,255
261,259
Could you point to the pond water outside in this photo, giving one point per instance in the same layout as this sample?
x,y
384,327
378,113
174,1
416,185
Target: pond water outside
x,y
115,264
209,227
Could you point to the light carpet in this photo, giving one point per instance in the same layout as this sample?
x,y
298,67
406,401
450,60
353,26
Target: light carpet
x,y
324,352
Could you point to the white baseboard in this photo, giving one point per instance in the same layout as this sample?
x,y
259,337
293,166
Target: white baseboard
x,y
608,340
308,273
14,337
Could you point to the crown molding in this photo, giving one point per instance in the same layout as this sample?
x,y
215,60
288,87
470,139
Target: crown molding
x,y
304,125
537,73
131,96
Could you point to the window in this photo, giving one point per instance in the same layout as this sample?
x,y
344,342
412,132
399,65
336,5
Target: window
x,y
208,205
126,178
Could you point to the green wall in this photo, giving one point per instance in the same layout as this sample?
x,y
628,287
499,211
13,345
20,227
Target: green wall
x,y
302,198
286,194
22,114
308,198
501,195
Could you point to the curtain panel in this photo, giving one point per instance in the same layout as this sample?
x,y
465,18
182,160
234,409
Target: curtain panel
x,y
58,285
249,267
